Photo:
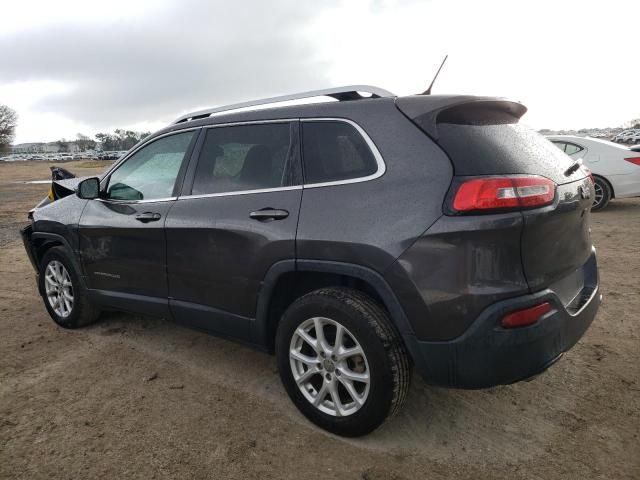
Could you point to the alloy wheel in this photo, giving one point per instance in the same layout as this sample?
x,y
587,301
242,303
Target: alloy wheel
x,y
329,366
59,288
599,194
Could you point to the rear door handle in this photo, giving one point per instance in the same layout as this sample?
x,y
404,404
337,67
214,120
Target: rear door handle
x,y
147,217
268,214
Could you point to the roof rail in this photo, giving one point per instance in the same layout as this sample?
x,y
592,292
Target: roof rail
x,y
350,92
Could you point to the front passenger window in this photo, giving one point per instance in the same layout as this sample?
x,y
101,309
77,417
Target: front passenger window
x,y
151,172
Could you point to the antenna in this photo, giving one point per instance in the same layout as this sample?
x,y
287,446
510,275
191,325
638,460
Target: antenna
x,y
428,90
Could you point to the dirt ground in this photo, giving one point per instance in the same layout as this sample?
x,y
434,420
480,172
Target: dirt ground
x,y
84,404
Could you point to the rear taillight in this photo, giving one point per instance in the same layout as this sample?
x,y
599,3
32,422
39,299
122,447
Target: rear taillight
x,y
497,193
634,160
587,171
525,317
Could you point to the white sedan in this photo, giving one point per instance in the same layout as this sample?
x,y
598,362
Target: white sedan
x,y
615,167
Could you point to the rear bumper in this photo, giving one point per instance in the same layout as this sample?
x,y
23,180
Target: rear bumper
x,y
626,185
487,354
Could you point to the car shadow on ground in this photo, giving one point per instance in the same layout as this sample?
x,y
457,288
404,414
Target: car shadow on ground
x,y
438,422
620,206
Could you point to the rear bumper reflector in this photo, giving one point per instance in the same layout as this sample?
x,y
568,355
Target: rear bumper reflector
x,y
525,317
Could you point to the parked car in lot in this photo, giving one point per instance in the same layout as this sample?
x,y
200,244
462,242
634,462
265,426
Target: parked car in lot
x,y
108,156
354,239
616,168
628,136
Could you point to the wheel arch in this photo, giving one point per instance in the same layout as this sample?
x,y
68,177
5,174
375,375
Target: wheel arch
x,y
288,280
605,179
42,242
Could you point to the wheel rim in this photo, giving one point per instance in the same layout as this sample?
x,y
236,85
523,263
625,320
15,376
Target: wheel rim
x,y
329,366
599,193
59,288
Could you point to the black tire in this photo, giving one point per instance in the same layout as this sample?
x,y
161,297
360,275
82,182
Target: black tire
x,y
601,185
384,354
82,312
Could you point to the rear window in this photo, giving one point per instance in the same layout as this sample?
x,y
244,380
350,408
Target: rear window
x,y
333,151
506,148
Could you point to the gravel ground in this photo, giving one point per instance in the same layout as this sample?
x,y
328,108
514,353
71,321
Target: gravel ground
x,y
139,397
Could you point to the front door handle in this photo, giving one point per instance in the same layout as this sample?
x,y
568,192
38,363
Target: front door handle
x,y
269,214
147,217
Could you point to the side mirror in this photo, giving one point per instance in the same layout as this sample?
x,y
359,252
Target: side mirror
x,y
89,188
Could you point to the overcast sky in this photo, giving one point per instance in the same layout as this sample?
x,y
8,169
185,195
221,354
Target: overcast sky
x,y
70,66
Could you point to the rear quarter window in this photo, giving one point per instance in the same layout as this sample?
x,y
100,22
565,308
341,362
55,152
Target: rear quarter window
x,y
334,151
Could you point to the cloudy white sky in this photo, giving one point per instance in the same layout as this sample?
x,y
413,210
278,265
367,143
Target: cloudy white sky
x,y
70,66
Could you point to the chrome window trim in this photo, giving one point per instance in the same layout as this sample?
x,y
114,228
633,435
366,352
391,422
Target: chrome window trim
x,y
151,200
374,150
382,168
250,122
242,192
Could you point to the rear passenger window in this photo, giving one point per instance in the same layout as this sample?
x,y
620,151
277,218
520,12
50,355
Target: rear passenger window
x,y
244,157
571,148
334,151
568,148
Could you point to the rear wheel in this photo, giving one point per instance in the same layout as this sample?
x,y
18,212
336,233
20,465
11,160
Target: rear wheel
x,y
341,361
602,195
64,296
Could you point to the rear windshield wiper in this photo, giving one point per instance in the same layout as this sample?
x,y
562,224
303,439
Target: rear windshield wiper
x,y
574,166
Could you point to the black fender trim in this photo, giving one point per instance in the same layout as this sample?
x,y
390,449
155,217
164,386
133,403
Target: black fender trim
x,y
54,237
260,328
373,278
26,233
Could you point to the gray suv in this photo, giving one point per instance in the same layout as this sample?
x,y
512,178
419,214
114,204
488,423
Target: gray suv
x,y
355,238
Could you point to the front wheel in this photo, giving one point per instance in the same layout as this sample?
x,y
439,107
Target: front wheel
x,y
64,296
341,361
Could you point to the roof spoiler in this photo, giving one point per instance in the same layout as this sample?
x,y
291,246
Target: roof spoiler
x,y
427,111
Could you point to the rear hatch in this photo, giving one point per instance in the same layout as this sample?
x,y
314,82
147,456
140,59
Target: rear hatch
x,y
483,139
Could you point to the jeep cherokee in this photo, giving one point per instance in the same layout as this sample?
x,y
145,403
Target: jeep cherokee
x,y
355,238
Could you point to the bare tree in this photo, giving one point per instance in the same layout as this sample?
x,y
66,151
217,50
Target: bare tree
x,y
8,122
63,145
635,123
84,142
120,139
